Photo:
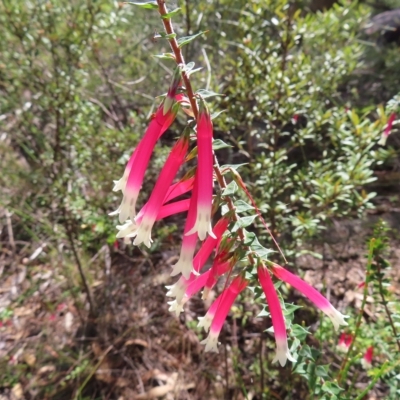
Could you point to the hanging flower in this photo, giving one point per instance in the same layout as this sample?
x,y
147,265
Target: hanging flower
x,y
219,311
184,265
387,130
366,361
129,228
153,206
320,301
218,269
278,321
132,180
345,341
193,287
205,175
187,264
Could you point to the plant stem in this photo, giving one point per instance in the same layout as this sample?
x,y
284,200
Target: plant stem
x,y
382,372
162,8
344,367
384,303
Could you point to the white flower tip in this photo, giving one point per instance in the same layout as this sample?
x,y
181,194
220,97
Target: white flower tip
x,y
184,266
177,290
143,234
205,323
128,229
202,225
116,212
337,318
176,307
120,184
211,343
127,208
283,354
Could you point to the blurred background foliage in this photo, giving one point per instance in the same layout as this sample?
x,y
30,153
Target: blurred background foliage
x,y
307,95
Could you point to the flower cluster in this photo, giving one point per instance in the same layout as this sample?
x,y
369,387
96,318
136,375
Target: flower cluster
x,y
221,243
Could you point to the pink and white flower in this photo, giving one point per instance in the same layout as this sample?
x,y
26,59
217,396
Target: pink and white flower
x,y
188,265
179,288
345,341
131,181
184,265
278,321
316,297
220,311
388,129
129,228
205,175
366,361
195,286
153,206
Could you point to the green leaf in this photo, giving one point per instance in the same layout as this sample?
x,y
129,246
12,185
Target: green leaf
x,y
299,332
217,114
148,4
165,36
241,206
264,313
331,388
230,189
220,144
165,56
204,93
243,222
261,250
187,39
249,237
171,13
235,167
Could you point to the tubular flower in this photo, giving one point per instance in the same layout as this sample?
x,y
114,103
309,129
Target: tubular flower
x,y
129,229
132,180
185,262
218,269
195,286
181,187
221,310
316,297
153,206
178,289
205,175
210,244
278,321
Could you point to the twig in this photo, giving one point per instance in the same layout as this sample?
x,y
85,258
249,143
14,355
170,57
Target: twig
x,y
344,367
384,303
92,309
376,378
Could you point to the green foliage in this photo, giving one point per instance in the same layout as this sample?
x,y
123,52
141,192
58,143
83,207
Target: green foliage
x,y
66,73
311,148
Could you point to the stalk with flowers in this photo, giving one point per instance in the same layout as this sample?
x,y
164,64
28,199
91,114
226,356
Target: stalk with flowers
x,y
215,226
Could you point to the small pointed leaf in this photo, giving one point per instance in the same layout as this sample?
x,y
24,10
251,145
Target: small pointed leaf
x,y
171,13
220,144
204,93
187,39
147,4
